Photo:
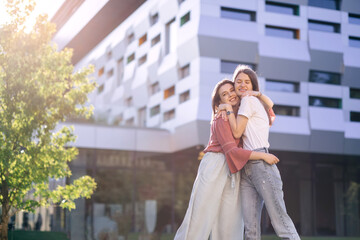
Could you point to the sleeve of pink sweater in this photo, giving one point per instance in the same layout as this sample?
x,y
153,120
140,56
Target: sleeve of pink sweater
x,y
236,157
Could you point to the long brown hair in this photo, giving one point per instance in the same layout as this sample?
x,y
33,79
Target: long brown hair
x,y
215,96
248,71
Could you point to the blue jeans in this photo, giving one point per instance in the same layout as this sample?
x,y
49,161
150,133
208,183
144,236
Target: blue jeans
x,y
261,183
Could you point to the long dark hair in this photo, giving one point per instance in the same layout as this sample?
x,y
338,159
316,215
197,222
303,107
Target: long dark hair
x,y
248,71
215,96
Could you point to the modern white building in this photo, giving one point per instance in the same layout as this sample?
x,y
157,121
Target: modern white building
x,y
156,64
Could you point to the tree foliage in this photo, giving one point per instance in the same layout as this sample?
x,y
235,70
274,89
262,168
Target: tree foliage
x,y
38,89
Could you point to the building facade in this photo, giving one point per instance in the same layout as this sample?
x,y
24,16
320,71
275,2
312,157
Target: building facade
x,y
156,65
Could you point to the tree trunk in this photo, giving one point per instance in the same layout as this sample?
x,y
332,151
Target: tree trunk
x,y
5,211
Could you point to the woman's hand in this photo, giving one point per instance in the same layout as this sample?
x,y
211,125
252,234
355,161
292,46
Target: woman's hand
x,y
251,93
270,158
222,109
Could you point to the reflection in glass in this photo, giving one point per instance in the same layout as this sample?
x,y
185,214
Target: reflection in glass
x,y
282,86
324,77
325,102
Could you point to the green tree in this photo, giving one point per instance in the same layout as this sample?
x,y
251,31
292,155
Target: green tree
x,y
38,89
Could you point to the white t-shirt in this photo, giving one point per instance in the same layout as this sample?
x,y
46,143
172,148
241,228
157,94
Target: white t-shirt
x,y
256,134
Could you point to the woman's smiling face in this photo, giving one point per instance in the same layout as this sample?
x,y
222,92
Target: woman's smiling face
x,y
228,95
242,83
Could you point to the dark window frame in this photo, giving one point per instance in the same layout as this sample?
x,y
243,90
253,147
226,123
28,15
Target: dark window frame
x,y
185,19
295,32
336,26
354,116
155,110
234,65
335,76
329,102
322,4
357,40
251,14
295,8
293,111
354,93
296,85
184,96
355,17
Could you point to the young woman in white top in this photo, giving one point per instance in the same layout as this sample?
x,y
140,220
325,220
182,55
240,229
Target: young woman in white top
x,y
260,182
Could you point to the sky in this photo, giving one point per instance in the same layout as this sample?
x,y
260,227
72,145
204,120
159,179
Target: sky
x,y
42,6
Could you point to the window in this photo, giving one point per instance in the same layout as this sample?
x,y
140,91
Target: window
x,y
142,117
109,55
130,58
169,115
325,102
130,38
154,88
354,18
184,19
142,60
184,71
324,77
238,14
129,102
354,41
169,92
101,72
354,93
154,110
287,110
129,122
282,86
282,32
110,73
170,36
101,88
184,96
282,8
330,4
229,66
354,116
142,39
324,26
120,70
155,40
154,19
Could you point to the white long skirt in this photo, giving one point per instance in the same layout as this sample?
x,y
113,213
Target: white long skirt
x,y
214,208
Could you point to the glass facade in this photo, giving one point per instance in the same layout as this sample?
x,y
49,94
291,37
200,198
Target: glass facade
x,y
145,195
